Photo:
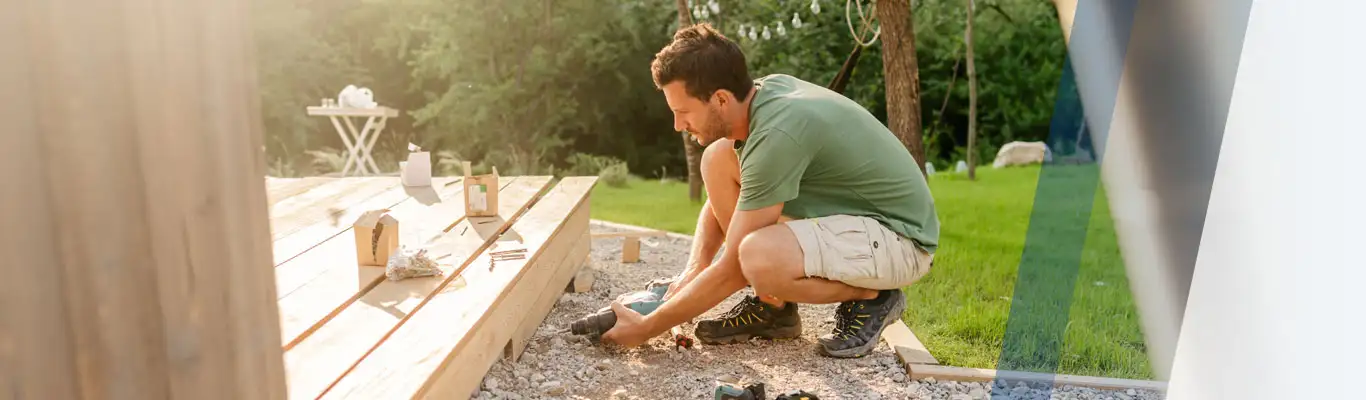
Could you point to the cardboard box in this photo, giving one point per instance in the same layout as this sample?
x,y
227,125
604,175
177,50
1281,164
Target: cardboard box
x,y
481,193
417,171
376,237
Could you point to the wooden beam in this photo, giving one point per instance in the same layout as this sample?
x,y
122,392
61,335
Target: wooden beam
x,y
908,348
630,250
320,358
444,349
941,372
135,232
629,234
567,267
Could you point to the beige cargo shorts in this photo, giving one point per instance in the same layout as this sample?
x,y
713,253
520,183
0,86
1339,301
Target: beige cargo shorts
x,y
860,252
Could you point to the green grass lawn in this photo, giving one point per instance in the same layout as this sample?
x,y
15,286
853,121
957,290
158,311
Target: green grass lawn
x,y
960,309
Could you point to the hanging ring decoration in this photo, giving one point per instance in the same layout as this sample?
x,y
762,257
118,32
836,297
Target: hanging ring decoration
x,y
867,20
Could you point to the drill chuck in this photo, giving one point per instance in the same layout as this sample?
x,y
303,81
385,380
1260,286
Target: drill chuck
x,y
595,324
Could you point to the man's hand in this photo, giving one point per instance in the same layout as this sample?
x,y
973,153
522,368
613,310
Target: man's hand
x,y
710,287
682,281
630,330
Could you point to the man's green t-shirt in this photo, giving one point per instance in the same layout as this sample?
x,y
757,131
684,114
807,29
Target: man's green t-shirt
x,y
823,154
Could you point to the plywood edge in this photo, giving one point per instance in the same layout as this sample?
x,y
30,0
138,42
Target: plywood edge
x,y
942,372
907,347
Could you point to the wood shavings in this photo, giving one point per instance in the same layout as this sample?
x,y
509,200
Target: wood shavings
x,y
404,266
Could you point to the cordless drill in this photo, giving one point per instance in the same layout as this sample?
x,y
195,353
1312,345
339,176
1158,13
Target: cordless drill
x,y
643,302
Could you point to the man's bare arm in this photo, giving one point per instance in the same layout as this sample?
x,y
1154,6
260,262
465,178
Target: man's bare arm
x,y
716,282
706,242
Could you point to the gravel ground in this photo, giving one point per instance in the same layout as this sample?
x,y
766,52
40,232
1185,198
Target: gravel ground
x,y
564,366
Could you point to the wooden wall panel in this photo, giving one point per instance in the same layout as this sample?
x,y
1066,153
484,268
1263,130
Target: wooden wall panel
x,y
136,246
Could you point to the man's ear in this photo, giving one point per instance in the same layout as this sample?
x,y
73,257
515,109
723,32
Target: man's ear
x,y
723,97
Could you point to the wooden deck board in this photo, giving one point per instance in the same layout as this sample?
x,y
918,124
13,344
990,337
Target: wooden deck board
x,y
339,319
305,238
320,358
322,280
282,188
327,205
458,333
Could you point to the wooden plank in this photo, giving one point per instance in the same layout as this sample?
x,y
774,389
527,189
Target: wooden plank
x,y
630,250
305,238
323,356
941,372
907,347
567,269
332,263
326,278
325,208
282,188
134,213
629,234
443,350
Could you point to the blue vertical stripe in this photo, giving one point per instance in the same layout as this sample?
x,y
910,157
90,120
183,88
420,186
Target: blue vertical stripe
x,y
1037,324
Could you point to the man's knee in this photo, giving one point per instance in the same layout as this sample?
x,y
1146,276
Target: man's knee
x,y
770,255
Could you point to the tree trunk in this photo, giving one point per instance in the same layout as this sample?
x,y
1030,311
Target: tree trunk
x,y
137,245
691,149
902,75
972,98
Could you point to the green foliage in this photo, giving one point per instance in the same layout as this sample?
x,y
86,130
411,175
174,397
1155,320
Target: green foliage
x,y
615,175
525,84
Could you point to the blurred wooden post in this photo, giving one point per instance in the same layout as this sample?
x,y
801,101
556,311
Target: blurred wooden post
x,y
1067,9
136,249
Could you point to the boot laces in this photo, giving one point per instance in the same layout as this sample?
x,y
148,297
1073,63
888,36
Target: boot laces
x,y
849,320
747,312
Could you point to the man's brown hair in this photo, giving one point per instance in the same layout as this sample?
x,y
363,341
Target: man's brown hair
x,y
705,60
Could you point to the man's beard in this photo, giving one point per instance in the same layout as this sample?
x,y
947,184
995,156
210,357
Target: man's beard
x,y
715,129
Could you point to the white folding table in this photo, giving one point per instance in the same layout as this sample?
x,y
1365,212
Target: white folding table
x,y
358,142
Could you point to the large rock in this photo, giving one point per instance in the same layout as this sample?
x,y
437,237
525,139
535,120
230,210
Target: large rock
x,y
1020,153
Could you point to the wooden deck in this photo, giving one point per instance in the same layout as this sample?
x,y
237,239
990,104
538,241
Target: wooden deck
x,y
349,332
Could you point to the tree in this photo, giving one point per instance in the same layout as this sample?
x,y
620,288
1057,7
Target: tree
x,y
972,97
901,75
691,148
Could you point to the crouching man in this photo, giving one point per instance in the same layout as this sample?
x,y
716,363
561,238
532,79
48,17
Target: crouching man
x,y
815,200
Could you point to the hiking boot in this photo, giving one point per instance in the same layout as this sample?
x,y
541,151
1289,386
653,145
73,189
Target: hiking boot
x,y
750,319
859,324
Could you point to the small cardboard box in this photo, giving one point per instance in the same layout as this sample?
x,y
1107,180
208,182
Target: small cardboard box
x,y
417,171
481,193
376,237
